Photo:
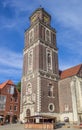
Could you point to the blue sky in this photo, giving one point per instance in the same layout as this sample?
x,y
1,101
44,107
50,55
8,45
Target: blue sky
x,y
14,19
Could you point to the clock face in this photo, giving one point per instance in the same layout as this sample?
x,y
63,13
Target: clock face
x,y
46,19
33,19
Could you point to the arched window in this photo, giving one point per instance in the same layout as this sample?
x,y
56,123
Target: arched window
x,y
27,112
47,35
49,60
31,36
50,90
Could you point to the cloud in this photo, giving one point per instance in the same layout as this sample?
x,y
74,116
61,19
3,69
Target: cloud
x,y
68,13
10,65
66,18
10,58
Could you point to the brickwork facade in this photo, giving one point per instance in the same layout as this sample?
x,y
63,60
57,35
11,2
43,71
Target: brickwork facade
x,y
40,67
45,90
9,102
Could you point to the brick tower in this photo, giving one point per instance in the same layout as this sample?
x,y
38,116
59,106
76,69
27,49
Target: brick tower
x,y
40,68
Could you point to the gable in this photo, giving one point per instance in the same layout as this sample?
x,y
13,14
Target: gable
x,y
80,72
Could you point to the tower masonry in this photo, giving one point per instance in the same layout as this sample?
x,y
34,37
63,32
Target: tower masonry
x,y
40,68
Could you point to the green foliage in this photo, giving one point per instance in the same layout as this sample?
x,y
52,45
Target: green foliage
x,y
19,86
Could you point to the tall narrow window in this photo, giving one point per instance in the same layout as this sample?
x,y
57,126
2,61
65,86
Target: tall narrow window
x,y
50,90
31,36
49,60
47,35
15,108
30,60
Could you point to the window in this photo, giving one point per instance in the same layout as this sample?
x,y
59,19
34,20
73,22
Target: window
x,y
11,99
66,107
50,90
16,99
8,90
10,108
31,36
51,107
30,60
49,60
48,35
15,108
2,107
28,112
2,102
11,90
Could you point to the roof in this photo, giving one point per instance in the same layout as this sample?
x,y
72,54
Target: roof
x,y
5,83
70,72
40,9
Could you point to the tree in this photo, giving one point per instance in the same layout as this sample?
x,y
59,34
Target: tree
x,y
19,86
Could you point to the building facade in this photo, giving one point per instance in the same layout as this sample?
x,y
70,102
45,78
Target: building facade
x,y
40,68
45,91
9,102
70,94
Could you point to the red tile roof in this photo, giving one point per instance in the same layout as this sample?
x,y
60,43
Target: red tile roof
x,y
4,84
70,72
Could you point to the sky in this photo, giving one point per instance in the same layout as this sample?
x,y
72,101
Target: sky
x,y
14,19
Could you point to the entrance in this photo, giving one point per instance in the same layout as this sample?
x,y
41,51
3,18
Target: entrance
x,y
27,112
14,119
7,119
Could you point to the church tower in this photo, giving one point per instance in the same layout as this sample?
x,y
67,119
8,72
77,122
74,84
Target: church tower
x,y
40,67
